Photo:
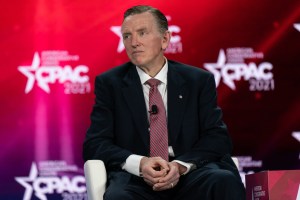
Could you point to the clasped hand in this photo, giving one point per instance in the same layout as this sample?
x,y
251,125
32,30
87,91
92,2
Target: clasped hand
x,y
159,173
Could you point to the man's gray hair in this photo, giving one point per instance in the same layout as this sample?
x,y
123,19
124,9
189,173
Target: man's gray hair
x,y
160,18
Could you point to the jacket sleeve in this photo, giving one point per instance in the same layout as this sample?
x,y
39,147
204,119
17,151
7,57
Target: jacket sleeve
x,y
99,140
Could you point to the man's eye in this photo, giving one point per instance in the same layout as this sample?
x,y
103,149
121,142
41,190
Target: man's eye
x,y
125,37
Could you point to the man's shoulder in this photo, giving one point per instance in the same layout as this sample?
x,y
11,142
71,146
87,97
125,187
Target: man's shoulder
x,y
116,72
186,69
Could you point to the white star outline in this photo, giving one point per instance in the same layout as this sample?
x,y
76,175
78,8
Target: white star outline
x,y
25,182
215,69
296,135
117,31
297,26
29,72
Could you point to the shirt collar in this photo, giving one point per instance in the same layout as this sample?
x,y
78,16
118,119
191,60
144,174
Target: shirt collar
x,y
162,74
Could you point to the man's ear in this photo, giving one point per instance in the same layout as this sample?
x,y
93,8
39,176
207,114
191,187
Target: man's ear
x,y
166,40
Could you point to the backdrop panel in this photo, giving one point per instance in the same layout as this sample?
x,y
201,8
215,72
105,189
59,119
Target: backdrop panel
x,y
52,50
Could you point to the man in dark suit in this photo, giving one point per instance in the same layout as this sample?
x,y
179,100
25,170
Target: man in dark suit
x,y
198,163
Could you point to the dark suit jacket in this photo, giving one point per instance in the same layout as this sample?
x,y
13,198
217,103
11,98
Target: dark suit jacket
x,y
119,124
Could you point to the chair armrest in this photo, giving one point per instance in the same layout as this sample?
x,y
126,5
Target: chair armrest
x,y
95,176
236,161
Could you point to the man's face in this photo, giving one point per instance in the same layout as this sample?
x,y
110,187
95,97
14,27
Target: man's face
x,y
143,42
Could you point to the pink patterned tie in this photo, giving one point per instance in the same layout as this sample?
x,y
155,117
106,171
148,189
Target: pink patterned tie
x,y
158,122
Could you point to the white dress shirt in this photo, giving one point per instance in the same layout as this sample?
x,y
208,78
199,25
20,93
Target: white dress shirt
x,y
132,164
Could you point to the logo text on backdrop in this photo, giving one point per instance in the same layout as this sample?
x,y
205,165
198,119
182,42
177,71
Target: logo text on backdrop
x,y
54,67
242,63
54,177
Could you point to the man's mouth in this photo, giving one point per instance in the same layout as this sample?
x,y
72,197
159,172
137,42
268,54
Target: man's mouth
x,y
136,52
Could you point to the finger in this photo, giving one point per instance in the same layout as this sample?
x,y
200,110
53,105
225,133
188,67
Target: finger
x,y
150,183
151,180
165,184
162,163
172,181
159,166
172,176
158,187
169,178
155,167
149,172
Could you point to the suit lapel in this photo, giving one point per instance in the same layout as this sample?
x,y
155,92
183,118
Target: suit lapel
x,y
177,98
134,96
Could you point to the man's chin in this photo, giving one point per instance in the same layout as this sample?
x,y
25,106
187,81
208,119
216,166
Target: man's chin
x,y
138,63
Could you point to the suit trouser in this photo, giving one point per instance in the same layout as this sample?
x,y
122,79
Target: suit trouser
x,y
207,183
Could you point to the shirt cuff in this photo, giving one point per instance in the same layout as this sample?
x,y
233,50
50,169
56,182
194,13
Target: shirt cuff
x,y
132,164
187,165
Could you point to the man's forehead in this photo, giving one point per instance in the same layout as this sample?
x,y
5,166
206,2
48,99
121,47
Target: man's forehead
x,y
135,27
138,21
140,15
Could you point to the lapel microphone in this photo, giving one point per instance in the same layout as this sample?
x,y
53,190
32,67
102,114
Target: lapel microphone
x,y
154,109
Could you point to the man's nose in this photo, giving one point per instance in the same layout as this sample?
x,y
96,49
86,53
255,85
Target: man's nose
x,y
135,42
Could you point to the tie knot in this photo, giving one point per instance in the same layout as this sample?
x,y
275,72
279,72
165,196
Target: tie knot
x,y
153,82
